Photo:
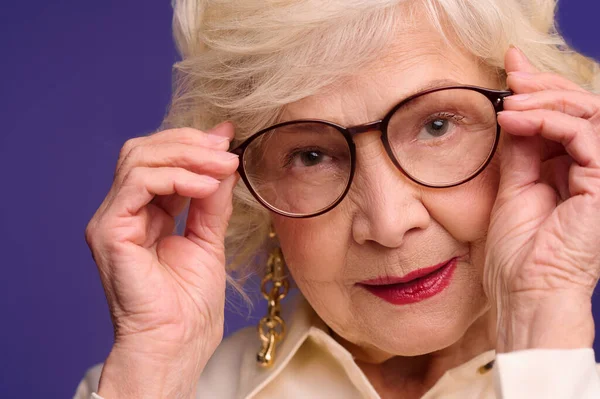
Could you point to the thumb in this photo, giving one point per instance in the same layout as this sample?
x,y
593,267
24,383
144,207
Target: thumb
x,y
520,164
516,61
208,217
223,129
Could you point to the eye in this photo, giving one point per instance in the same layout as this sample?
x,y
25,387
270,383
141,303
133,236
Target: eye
x,y
308,158
437,128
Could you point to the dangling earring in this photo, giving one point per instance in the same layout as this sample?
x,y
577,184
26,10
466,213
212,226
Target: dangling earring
x,y
271,328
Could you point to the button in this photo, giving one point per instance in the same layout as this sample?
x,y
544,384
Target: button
x,y
485,368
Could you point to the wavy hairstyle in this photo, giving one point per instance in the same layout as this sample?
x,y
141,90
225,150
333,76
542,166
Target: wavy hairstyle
x,y
245,60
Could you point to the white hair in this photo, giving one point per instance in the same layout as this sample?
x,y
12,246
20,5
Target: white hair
x,y
243,60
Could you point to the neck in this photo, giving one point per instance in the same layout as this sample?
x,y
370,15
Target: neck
x,y
412,377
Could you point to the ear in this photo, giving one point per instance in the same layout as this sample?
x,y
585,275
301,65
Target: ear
x,y
516,61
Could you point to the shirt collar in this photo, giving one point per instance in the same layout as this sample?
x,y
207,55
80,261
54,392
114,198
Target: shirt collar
x,y
303,323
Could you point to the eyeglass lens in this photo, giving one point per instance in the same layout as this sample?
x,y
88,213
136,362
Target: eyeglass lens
x,y
438,139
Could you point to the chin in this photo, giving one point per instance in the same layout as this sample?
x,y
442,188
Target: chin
x,y
424,339
425,327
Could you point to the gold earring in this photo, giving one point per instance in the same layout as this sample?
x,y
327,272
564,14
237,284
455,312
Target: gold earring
x,y
274,287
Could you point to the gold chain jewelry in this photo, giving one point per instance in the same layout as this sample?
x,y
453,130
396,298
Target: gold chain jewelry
x,y
271,328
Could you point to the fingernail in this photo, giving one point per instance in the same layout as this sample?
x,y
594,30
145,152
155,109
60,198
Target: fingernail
x,y
521,53
230,155
518,97
209,180
216,139
521,75
218,127
516,48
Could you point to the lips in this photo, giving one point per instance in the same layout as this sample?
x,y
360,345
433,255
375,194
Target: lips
x,y
415,286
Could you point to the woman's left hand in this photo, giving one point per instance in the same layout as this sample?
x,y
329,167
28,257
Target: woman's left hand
x,y
543,247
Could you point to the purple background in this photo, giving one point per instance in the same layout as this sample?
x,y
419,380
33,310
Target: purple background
x,y
78,79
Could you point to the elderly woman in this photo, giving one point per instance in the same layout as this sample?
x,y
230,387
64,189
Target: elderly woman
x,y
427,172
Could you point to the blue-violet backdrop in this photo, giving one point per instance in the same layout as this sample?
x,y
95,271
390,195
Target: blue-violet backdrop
x,y
78,79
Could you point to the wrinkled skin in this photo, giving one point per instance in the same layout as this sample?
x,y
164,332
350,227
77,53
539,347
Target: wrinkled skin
x,y
526,228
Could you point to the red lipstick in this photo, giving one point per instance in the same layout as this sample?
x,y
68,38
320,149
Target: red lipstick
x,y
415,286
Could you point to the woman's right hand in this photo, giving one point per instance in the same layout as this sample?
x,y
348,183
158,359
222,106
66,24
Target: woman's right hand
x,y
165,292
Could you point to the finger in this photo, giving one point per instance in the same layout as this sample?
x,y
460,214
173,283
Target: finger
x,y
520,82
216,163
584,181
516,61
224,130
153,224
524,77
217,138
211,138
143,183
551,149
172,204
524,82
555,173
520,165
575,103
575,134
208,217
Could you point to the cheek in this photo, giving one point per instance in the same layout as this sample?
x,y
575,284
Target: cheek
x,y
315,258
312,253
464,211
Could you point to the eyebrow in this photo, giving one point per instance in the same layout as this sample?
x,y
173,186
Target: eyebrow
x,y
431,84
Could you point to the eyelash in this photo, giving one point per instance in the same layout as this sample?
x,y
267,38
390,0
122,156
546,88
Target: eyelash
x,y
295,152
443,115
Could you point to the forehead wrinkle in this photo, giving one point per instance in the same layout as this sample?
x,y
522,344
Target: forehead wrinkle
x,y
365,108
331,103
418,60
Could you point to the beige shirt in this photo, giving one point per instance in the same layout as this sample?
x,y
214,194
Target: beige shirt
x,y
311,364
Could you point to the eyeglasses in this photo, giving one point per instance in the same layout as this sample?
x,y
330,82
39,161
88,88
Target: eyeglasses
x,y
438,138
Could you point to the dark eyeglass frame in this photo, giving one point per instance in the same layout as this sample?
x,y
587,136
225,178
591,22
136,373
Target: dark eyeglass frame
x,y
496,97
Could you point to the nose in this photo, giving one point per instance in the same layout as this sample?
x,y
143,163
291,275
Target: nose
x,y
388,205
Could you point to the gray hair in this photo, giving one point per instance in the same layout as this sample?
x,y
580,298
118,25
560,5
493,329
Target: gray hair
x,y
244,60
